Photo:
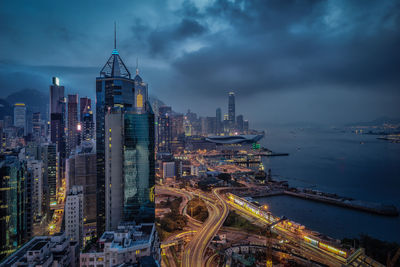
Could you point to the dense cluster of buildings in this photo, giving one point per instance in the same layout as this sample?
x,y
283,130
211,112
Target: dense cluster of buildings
x,y
78,182
82,177
175,131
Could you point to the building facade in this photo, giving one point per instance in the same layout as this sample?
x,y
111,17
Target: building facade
x,y
130,168
218,123
13,205
231,110
72,137
57,124
74,205
81,171
164,127
85,105
20,116
87,126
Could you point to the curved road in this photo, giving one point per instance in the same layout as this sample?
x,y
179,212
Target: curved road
x,y
194,253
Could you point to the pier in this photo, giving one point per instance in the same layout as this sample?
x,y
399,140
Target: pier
x,y
332,199
371,207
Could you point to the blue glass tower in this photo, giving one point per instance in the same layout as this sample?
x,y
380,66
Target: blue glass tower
x,y
138,166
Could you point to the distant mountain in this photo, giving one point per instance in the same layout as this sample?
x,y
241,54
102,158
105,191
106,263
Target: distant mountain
x,y
377,121
35,101
5,109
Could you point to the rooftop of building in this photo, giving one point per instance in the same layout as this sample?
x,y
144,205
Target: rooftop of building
x,y
35,244
39,245
21,252
128,235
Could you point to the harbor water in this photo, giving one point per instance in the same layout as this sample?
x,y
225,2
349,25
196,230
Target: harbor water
x,y
348,164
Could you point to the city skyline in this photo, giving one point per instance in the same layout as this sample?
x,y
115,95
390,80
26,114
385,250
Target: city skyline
x,y
323,59
263,133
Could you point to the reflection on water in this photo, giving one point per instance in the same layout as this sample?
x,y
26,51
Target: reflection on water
x,y
358,166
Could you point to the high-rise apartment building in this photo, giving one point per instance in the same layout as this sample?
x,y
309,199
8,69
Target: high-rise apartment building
x,y
81,171
36,169
164,129
20,116
50,160
72,140
74,214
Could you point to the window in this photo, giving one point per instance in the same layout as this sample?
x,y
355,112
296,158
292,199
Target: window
x,y
139,100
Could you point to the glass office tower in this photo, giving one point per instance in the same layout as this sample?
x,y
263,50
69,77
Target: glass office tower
x,y
138,166
13,208
114,87
131,196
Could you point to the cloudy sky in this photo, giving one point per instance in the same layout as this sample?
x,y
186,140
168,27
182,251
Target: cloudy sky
x,y
287,61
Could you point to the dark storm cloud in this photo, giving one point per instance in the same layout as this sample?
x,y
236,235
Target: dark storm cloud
x,y
287,45
198,49
161,39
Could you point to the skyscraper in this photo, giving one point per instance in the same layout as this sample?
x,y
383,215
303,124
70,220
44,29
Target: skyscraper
x,y
72,140
81,170
218,124
50,175
87,126
36,169
37,126
20,116
239,123
231,110
85,105
122,104
13,201
129,167
57,123
177,126
164,129
246,126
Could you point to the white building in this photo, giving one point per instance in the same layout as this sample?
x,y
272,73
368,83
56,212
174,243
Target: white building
x,y
127,244
74,214
36,167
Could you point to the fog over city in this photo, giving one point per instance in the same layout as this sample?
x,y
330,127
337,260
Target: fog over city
x,y
325,62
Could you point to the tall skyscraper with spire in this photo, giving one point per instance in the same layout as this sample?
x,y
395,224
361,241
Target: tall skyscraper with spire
x,y
124,146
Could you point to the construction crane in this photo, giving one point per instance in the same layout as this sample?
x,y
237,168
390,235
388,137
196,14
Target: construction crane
x,y
269,245
392,262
